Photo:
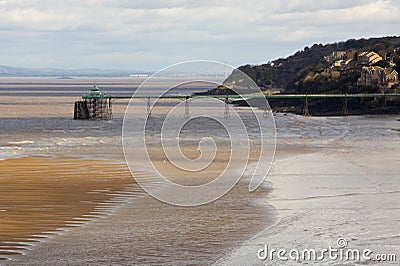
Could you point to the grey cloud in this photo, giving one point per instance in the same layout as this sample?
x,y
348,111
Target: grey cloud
x,y
150,34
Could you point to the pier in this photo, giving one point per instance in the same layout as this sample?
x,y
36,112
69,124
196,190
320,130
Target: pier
x,y
97,105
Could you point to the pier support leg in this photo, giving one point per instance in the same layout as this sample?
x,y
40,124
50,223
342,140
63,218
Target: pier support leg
x,y
384,103
267,111
148,106
305,110
226,114
110,113
345,110
187,114
77,111
94,109
81,110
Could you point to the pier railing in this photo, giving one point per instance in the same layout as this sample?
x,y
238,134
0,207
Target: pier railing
x,y
267,96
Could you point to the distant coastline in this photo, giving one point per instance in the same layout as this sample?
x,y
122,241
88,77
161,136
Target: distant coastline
x,y
10,71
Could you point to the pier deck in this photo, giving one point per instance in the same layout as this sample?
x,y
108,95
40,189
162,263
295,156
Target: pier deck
x,y
271,96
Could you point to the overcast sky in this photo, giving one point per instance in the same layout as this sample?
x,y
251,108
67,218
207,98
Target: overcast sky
x,y
152,34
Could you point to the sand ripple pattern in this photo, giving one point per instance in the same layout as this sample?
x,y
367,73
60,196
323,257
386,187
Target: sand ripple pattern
x,y
44,197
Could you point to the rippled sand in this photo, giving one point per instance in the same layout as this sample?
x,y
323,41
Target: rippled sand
x,y
41,196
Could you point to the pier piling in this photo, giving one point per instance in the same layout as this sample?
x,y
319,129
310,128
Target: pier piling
x,y
306,112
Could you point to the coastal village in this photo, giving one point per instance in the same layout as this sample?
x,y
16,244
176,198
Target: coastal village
x,y
375,70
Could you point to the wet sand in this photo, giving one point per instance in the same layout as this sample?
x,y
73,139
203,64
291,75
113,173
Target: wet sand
x,y
44,196
144,230
41,196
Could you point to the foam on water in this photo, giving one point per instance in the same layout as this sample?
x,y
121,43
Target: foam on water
x,y
11,152
315,131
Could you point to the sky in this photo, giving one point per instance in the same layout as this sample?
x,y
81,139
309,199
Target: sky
x,y
151,34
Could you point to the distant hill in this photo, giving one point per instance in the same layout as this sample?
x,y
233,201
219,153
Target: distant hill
x,y
352,66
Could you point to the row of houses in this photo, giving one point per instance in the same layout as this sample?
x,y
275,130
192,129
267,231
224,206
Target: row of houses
x,y
343,60
371,75
368,58
351,59
376,76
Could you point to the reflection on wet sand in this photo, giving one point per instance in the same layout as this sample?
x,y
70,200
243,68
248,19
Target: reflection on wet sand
x,y
42,196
